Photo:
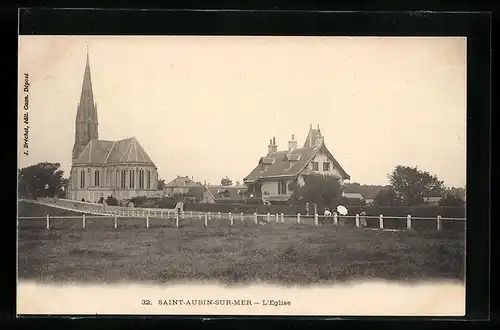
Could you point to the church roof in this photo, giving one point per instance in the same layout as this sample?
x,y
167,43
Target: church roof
x,y
112,152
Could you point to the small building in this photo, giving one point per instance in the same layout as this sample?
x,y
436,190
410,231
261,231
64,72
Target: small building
x,y
179,185
275,171
224,194
353,195
432,200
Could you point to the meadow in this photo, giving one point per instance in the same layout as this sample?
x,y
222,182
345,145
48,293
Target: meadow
x,y
283,253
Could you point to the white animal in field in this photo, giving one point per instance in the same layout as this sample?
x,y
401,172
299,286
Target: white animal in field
x,y
327,213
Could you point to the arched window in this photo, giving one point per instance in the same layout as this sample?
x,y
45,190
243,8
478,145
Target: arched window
x,y
117,179
132,178
123,179
96,178
141,178
82,179
149,179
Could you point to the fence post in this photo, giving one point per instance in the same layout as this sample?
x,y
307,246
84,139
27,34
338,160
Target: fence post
x,y
268,217
381,221
241,216
182,214
298,217
282,218
177,219
161,214
255,218
277,218
335,219
315,219
199,215
439,224
230,219
48,222
357,220
208,215
115,221
168,214
219,215
83,221
206,220
408,221
191,214
147,221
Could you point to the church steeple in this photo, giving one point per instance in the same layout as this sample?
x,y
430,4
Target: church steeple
x,y
86,115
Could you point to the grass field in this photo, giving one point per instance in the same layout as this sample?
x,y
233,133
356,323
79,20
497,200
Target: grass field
x,y
284,253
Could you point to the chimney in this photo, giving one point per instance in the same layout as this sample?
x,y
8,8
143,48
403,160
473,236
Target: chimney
x,y
292,144
272,148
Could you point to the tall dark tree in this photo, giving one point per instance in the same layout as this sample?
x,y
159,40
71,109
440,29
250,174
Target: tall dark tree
x,y
226,181
412,184
41,180
317,189
161,184
387,197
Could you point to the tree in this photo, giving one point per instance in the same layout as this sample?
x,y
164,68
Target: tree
x,y
196,192
412,185
161,184
387,197
41,180
226,181
317,189
453,197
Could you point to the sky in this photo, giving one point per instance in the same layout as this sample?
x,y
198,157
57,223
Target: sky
x,y
206,106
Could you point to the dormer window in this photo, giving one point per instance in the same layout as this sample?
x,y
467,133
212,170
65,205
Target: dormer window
x,y
326,166
315,166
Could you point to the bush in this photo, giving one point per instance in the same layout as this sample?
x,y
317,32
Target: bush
x,y
111,201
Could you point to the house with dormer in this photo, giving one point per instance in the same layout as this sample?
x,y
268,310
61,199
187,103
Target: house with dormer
x,y
275,171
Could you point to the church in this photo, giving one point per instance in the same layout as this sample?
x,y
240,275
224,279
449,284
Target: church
x,y
100,168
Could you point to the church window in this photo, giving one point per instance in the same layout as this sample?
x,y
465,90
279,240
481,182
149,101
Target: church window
x,y
149,179
132,178
123,178
117,178
96,178
141,179
82,179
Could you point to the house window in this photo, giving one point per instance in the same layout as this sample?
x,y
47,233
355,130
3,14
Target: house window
x,y
96,178
326,166
315,166
149,179
82,179
281,187
132,179
141,179
123,178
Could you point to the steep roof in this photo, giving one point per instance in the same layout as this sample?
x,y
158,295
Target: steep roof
x,y
111,152
311,137
226,192
283,165
181,181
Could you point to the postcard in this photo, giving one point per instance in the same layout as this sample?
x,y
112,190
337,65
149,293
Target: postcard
x,y
241,175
